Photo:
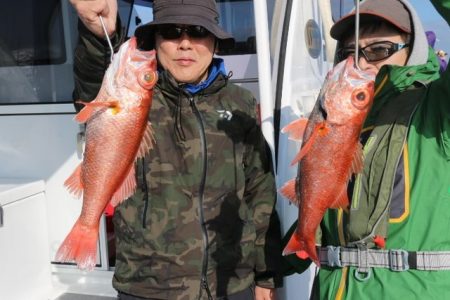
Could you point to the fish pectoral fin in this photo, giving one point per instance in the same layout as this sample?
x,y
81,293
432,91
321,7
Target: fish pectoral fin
x,y
319,130
89,108
74,184
147,141
288,191
126,189
296,129
341,199
358,160
83,115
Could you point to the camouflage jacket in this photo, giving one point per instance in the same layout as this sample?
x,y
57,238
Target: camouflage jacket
x,y
202,220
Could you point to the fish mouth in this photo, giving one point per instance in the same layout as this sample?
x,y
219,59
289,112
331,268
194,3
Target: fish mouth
x,y
322,110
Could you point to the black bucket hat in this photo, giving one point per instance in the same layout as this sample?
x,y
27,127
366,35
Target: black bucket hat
x,y
186,12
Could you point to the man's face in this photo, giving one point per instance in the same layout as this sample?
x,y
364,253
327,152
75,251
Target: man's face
x,y
393,40
187,58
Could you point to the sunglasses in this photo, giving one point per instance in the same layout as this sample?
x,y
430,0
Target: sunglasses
x,y
173,32
373,52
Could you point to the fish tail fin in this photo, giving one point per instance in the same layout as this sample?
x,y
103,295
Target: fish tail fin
x,y
296,129
80,246
312,252
288,191
302,254
294,245
74,184
303,249
319,130
126,189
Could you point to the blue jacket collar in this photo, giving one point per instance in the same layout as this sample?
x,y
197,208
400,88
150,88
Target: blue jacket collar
x,y
217,67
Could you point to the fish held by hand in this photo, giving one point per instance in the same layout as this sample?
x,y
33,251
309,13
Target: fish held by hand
x,y
117,133
331,152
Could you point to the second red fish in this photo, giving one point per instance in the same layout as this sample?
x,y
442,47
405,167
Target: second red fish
x,y
331,152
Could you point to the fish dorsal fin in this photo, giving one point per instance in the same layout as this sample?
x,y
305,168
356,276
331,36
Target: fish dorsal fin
x,y
320,129
341,198
358,160
128,186
89,108
147,141
288,191
74,184
126,189
296,129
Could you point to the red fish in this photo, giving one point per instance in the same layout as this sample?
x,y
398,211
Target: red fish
x,y
331,152
117,133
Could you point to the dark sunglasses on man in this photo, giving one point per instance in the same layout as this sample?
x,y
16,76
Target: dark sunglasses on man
x,y
373,52
173,31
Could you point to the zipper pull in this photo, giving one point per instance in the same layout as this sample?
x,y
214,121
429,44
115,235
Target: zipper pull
x,y
206,287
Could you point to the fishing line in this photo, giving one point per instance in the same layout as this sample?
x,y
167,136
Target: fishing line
x,y
357,35
107,37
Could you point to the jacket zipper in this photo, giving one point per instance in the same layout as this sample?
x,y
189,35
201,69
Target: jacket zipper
x,y
145,190
204,280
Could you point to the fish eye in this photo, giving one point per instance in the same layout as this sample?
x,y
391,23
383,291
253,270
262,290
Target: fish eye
x,y
361,96
148,78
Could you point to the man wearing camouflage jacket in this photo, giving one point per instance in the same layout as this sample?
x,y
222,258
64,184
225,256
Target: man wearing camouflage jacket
x,y
202,223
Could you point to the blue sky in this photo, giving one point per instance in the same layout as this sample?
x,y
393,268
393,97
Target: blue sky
x,y
430,18
433,21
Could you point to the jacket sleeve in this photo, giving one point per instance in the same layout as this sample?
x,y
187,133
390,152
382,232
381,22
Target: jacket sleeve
x,y
443,8
441,88
260,196
92,57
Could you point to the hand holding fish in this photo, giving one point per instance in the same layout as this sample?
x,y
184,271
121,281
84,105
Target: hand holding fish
x,y
89,10
265,293
331,152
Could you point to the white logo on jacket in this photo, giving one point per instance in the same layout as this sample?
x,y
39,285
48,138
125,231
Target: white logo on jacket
x,y
225,114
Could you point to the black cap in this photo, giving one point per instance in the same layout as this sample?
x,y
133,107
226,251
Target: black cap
x,y
391,11
187,12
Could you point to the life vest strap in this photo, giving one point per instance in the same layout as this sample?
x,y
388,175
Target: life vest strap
x,y
398,260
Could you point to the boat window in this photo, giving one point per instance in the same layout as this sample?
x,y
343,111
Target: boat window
x,y
236,17
31,36
36,50
341,8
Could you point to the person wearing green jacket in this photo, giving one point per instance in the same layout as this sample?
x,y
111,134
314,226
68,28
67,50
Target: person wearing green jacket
x,y
202,223
393,242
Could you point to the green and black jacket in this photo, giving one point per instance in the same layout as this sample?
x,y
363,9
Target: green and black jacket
x,y
403,193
